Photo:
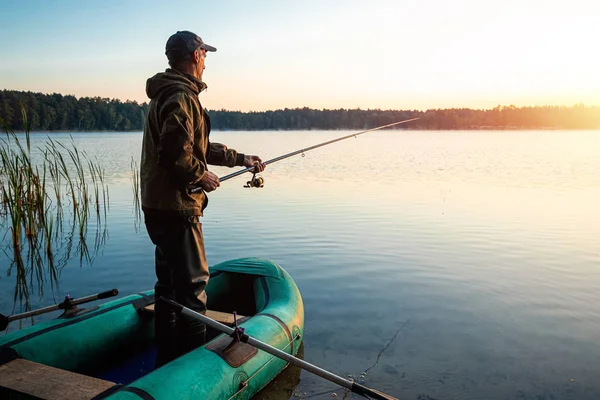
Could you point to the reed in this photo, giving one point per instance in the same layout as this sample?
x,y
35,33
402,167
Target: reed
x,y
42,194
137,203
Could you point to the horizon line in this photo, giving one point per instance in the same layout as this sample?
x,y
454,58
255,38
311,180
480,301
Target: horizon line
x,y
580,104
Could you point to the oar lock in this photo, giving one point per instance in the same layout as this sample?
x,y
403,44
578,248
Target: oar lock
x,y
256,182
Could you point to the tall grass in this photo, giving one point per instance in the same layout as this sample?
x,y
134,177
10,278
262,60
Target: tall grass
x,y
45,207
137,203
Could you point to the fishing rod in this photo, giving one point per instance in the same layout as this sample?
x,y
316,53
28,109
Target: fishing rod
x,y
68,304
258,182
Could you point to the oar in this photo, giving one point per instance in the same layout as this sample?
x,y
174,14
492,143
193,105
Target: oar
x,y
348,384
68,303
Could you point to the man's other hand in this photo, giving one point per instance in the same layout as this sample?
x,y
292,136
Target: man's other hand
x,y
209,181
254,161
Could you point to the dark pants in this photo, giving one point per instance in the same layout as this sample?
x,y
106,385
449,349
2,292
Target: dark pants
x,y
182,275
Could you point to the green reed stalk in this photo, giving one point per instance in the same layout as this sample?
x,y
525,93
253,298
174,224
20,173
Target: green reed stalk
x,y
137,204
31,207
94,176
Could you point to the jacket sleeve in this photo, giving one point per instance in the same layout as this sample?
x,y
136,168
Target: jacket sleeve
x,y
219,154
176,141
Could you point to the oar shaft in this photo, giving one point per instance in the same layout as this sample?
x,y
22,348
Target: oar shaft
x,y
348,384
32,313
293,153
61,306
264,346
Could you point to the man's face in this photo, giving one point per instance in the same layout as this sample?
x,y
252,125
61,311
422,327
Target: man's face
x,y
200,66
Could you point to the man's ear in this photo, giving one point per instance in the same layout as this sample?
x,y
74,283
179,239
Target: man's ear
x,y
196,56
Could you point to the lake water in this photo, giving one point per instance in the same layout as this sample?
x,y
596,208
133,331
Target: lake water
x,y
450,265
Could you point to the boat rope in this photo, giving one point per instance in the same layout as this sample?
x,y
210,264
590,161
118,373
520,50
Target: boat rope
x,y
244,384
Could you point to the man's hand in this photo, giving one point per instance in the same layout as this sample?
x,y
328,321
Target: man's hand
x,y
209,181
254,161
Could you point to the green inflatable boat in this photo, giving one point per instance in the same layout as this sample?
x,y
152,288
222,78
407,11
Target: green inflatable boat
x,y
108,351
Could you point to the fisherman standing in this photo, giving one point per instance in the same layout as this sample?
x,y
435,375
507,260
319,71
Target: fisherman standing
x,y
176,152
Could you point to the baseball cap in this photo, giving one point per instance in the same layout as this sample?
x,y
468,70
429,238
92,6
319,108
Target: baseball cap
x,y
183,43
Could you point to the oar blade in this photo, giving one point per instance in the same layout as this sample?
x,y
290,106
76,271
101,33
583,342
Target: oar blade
x,y
370,393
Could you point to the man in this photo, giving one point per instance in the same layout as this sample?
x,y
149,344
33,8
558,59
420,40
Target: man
x,y
175,154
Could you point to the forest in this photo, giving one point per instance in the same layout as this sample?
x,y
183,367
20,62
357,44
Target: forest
x,y
57,112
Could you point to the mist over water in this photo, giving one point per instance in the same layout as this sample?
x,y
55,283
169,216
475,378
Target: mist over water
x,y
472,258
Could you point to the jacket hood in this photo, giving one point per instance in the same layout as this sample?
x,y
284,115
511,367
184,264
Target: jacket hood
x,y
172,78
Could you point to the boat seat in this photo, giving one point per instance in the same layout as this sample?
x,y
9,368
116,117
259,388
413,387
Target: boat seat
x,y
40,381
222,317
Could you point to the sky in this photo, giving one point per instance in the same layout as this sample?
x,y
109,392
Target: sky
x,y
376,54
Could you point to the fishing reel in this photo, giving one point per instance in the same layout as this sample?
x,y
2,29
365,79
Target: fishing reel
x,y
256,182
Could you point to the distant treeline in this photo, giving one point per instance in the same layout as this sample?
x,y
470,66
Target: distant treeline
x,y
511,117
55,112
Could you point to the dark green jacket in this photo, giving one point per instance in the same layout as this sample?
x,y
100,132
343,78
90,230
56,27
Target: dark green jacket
x,y
176,148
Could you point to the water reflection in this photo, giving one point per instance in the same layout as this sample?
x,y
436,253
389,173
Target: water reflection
x,y
283,387
486,242
50,196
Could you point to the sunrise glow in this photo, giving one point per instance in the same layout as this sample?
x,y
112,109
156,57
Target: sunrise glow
x,y
388,55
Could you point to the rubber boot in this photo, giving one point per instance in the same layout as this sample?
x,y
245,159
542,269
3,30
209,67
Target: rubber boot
x,y
192,334
165,328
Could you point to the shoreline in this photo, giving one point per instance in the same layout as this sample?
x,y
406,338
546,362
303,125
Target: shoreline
x,y
332,130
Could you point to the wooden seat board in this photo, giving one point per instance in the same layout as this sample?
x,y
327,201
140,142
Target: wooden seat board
x,y
222,317
49,383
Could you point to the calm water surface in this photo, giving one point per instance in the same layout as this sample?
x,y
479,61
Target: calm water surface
x,y
450,265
